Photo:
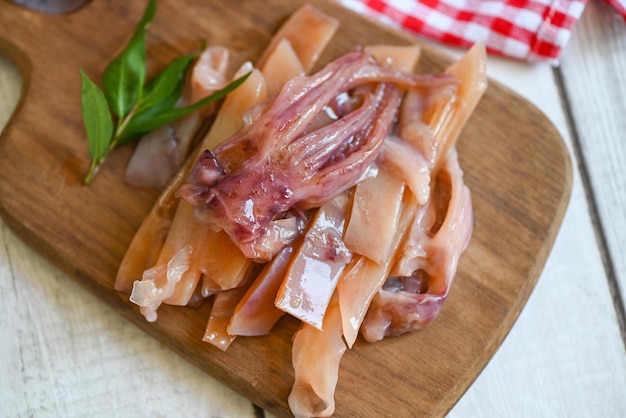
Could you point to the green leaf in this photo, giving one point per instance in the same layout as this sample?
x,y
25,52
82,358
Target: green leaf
x,y
161,94
125,76
140,118
142,123
96,117
168,83
139,108
148,16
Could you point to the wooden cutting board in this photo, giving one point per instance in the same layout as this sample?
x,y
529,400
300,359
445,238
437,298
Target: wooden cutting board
x,y
515,164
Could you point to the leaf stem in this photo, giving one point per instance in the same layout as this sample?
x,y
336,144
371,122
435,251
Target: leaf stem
x,y
93,170
122,125
95,164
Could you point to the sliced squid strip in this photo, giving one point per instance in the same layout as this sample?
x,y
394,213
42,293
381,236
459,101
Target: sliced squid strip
x,y
158,284
190,234
376,208
222,263
364,277
281,66
409,165
308,30
471,71
411,252
256,313
224,305
317,265
145,247
411,126
313,390
409,303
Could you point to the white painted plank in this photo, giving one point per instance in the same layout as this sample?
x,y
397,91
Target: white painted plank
x,y
10,87
65,353
594,71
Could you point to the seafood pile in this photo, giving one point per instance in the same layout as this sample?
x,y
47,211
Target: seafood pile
x,y
335,197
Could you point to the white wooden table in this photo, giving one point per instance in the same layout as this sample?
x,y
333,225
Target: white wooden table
x,y
65,353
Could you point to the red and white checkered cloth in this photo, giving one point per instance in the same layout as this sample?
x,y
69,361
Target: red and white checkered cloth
x,y
531,30
620,6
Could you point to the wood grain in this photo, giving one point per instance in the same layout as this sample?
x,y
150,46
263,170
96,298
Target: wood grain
x,y
520,191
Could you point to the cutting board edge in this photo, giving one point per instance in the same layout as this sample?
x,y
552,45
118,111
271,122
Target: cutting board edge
x,y
529,285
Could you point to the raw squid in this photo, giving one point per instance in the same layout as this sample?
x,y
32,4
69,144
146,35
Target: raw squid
x,y
224,306
308,30
380,212
221,263
316,355
420,281
290,166
283,64
145,248
408,165
256,313
176,227
158,283
345,183
319,262
374,215
377,220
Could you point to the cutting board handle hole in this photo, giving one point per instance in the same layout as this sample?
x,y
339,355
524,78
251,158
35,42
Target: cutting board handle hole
x,y
53,6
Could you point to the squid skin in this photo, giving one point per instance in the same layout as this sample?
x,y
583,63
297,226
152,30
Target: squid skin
x,y
278,163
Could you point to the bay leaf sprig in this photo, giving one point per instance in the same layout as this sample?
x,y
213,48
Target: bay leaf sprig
x,y
128,107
